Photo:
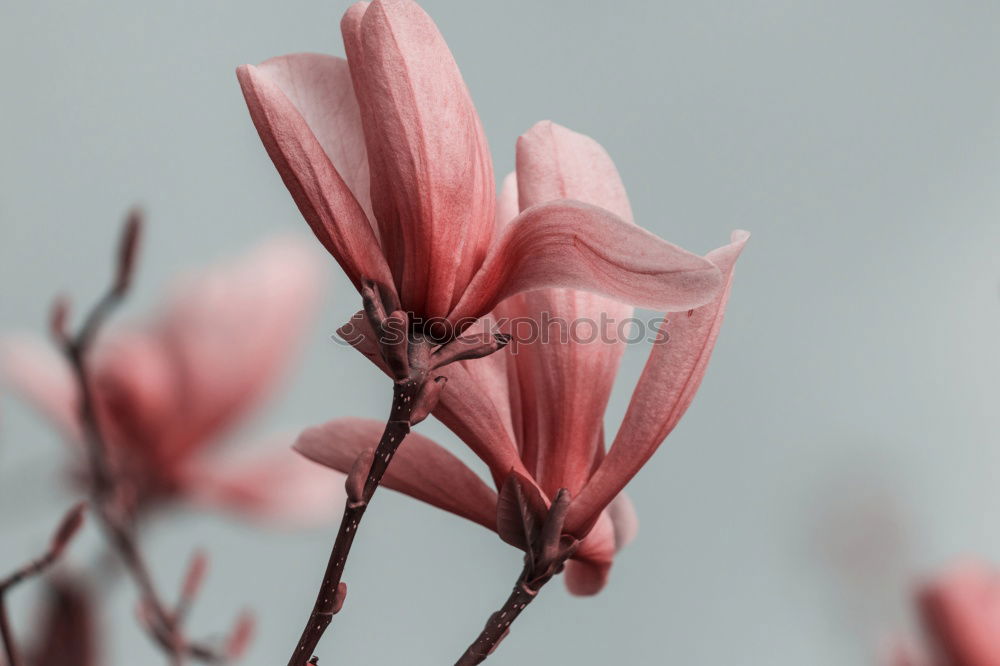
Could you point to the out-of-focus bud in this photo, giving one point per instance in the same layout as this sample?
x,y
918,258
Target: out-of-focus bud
x,y
241,635
58,317
66,632
67,529
194,576
128,249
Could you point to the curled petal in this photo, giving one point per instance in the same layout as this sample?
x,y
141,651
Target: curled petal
x,y
325,200
566,375
666,388
588,570
421,468
573,244
431,173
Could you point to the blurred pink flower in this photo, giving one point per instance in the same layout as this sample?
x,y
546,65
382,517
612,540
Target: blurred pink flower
x,y
387,160
169,388
539,413
67,626
961,617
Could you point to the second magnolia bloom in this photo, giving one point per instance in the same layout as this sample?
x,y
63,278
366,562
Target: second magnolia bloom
x,y
171,387
537,416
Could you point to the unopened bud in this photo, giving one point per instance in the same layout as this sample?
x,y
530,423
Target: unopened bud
x,y
195,575
58,316
67,529
128,249
339,597
356,478
241,635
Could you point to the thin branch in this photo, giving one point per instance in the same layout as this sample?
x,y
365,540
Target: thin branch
x,y
106,487
410,358
498,625
332,591
68,527
546,552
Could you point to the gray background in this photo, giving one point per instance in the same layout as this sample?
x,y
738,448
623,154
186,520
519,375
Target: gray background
x,y
844,440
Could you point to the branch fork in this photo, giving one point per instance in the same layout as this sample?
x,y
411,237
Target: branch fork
x,y
67,529
524,521
410,357
110,492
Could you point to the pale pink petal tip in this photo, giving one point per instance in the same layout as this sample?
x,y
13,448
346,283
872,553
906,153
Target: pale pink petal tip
x,y
278,487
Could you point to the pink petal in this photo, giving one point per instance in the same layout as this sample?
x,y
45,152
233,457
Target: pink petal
x,y
41,376
432,175
231,331
507,201
565,377
139,393
475,406
333,212
573,244
421,468
587,573
665,389
320,88
272,483
554,162
962,612
564,380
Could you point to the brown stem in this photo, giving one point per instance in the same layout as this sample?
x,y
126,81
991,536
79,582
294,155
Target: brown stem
x,y
546,551
499,623
105,486
67,529
330,596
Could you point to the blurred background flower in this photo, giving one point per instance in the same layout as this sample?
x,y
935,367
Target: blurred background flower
x,y
859,141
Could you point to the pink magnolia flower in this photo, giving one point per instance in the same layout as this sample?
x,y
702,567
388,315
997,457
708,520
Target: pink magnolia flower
x,y
67,625
386,159
169,388
537,415
961,616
